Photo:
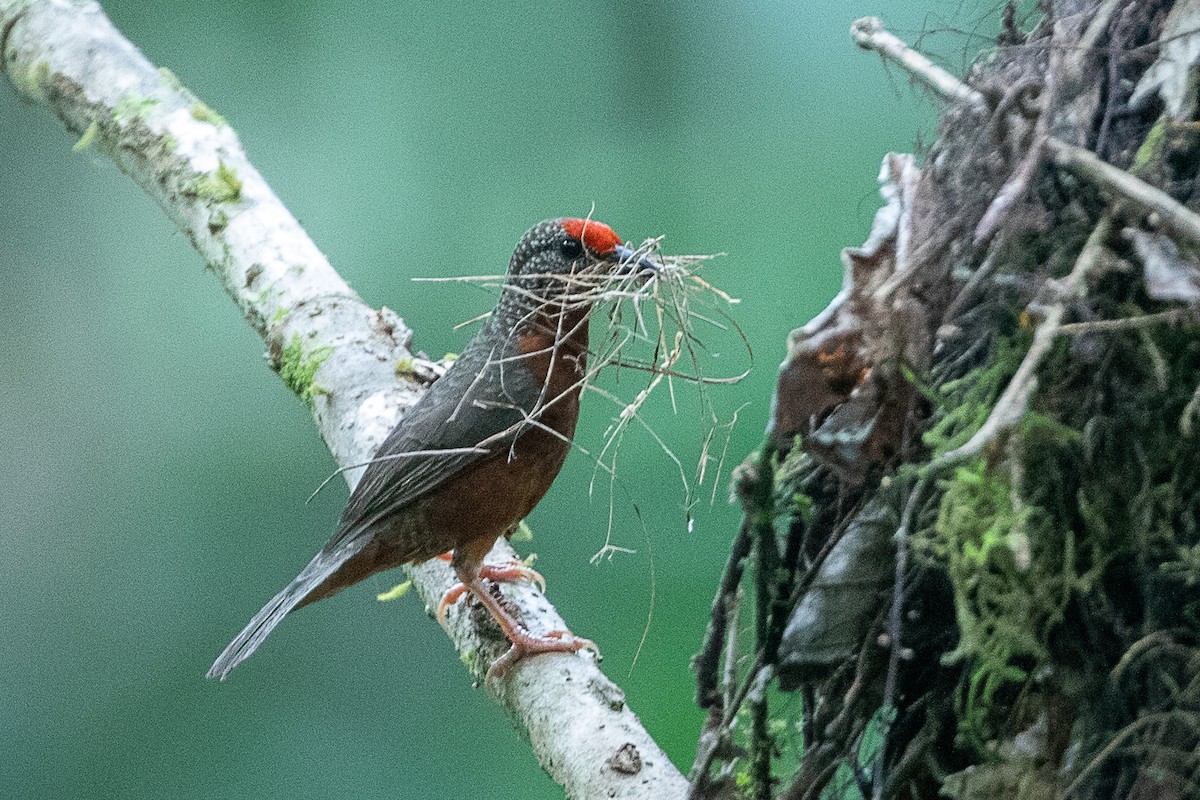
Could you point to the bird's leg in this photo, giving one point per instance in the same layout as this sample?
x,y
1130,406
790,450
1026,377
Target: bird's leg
x,y
524,643
506,572
471,572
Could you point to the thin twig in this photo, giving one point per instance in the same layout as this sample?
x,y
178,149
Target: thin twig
x,y
869,34
706,663
781,604
1113,59
1126,323
914,753
766,562
730,673
1097,27
1161,718
1011,193
1013,401
895,623
1173,215
1017,187
1189,414
968,289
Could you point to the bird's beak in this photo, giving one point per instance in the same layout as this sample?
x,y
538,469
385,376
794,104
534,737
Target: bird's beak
x,y
631,262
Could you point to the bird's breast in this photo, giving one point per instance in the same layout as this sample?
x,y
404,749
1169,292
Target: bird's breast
x,y
554,350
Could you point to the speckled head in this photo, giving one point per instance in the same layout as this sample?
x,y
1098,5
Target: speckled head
x,y
555,246
564,257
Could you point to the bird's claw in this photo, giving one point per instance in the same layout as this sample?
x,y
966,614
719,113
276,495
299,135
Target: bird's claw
x,y
510,571
523,642
531,645
507,572
448,599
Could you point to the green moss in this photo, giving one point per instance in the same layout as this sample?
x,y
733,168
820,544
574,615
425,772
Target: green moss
x,y
1152,149
88,137
1000,619
397,591
37,80
1186,565
279,316
228,183
406,369
170,78
470,660
803,507
222,186
297,368
1007,552
1080,503
133,106
170,142
261,298
202,112
963,404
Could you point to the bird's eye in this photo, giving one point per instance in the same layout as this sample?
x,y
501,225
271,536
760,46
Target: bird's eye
x,y
571,248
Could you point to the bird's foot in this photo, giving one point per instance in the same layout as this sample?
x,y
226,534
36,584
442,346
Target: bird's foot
x,y
525,644
510,571
507,572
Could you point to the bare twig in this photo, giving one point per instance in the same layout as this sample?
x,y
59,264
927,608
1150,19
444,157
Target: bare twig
x,y
733,704
706,663
1012,192
914,753
755,539
869,34
972,284
1016,187
730,673
766,561
1190,412
1097,26
761,741
1113,59
1162,718
1127,323
1013,401
895,624
1171,214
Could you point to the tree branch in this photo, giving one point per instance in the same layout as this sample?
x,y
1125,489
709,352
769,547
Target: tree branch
x,y
1014,400
1171,214
335,352
869,34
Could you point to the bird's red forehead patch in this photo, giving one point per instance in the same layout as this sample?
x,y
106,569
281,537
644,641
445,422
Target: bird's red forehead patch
x,y
596,235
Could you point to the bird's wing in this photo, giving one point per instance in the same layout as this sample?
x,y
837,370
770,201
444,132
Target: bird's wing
x,y
476,408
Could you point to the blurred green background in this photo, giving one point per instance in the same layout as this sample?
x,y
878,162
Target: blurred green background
x,y
154,473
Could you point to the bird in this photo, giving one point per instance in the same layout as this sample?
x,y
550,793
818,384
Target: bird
x,y
482,445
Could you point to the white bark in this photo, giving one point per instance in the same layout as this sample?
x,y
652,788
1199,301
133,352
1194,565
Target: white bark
x,y
68,56
869,34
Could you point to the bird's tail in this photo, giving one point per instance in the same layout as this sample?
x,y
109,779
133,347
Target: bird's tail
x,y
294,594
